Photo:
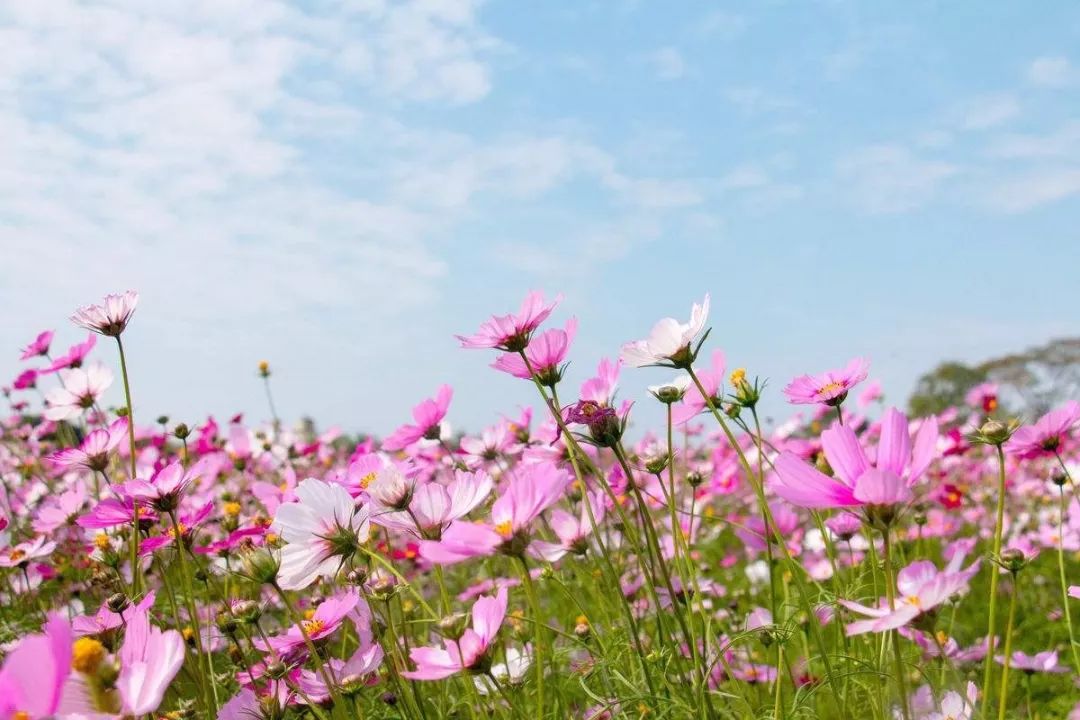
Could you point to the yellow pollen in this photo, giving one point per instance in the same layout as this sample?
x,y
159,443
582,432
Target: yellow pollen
x,y
284,487
738,376
263,366
505,529
992,404
309,613
188,633
86,654
101,540
913,600
581,620
407,605
21,715
313,626
941,637
367,480
271,538
831,387
231,509
17,555
179,526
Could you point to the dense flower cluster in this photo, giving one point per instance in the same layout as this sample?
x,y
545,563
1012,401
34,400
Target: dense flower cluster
x,y
851,562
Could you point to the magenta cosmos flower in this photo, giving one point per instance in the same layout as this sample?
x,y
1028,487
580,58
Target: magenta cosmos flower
x,y
39,347
165,488
546,353
110,317
433,506
74,357
33,676
901,461
529,491
1039,662
326,619
470,653
93,451
670,340
428,416
1048,436
512,333
922,587
830,387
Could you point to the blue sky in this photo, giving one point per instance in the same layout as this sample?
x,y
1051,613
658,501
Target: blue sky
x,y
338,187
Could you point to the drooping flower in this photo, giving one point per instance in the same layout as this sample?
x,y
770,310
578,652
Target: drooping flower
x,y
39,347
321,531
901,461
670,342
149,660
1050,435
512,333
470,652
80,390
829,388
428,416
546,353
921,588
110,317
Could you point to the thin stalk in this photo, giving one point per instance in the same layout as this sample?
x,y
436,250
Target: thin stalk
x,y
331,684
538,633
894,638
135,579
1063,504
991,625
1003,690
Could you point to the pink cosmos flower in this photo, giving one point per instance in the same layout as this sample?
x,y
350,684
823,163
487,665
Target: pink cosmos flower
x,y
830,387
712,379
1039,662
149,660
59,510
105,619
901,461
80,390
529,492
26,380
434,507
1050,435
165,488
320,531
1074,591
546,353
23,553
670,340
468,653
428,416
34,673
110,317
93,452
984,397
512,333
573,531
112,512
74,357
922,587
39,347
187,523
326,619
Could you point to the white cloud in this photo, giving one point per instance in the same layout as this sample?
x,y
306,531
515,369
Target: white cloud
x,y
667,63
988,111
1034,188
1053,72
891,179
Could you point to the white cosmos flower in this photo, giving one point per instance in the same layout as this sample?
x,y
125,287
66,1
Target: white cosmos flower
x,y
668,339
319,530
511,672
80,390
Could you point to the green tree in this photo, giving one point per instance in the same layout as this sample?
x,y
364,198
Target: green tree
x,y
944,387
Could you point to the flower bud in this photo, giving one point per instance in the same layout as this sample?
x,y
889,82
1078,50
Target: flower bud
x,y
995,432
694,479
181,431
118,602
453,626
261,566
1013,560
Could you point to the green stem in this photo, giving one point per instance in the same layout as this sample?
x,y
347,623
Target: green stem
x,y
135,579
538,633
193,612
1063,504
991,626
1003,690
894,638
331,684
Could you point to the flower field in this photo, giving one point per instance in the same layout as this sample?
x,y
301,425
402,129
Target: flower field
x,y
565,562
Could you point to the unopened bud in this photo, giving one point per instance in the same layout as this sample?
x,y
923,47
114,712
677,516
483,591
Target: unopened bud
x,y
117,602
995,432
453,626
181,431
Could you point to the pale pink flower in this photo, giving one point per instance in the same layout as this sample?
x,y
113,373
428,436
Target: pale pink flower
x,y
1039,662
1050,435
829,388
105,619
110,317
326,619
670,340
59,510
433,506
93,451
24,553
573,531
74,357
80,391
712,379
434,663
428,416
321,530
149,660
512,333
165,488
33,676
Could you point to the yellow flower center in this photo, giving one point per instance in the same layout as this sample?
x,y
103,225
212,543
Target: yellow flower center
x,y
367,480
179,527
313,626
231,509
505,529
21,715
17,555
581,620
941,637
738,376
188,633
831,387
86,654
101,540
913,600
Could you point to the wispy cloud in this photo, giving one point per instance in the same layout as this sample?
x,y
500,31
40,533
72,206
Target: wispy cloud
x,y
891,178
667,63
1052,72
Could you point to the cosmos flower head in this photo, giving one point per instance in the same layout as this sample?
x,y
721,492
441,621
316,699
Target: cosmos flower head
x,y
670,343
830,387
110,317
39,347
512,333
